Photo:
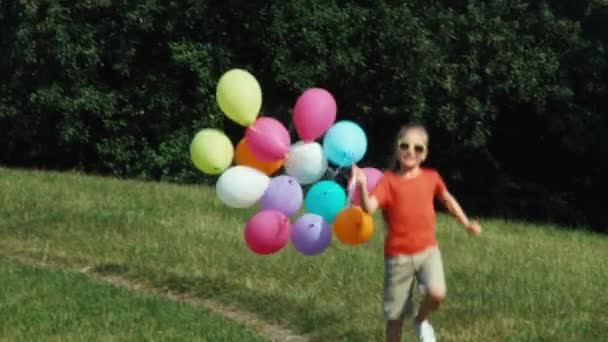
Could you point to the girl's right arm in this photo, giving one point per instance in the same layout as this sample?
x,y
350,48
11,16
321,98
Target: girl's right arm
x,y
368,203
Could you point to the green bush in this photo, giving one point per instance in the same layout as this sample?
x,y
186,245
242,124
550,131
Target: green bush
x,y
513,92
111,87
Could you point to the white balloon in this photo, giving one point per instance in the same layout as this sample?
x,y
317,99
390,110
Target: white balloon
x,y
306,162
241,186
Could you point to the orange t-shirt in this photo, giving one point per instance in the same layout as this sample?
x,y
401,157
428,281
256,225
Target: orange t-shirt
x,y
409,210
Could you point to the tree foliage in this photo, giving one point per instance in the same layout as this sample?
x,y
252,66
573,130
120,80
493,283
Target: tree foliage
x,y
513,92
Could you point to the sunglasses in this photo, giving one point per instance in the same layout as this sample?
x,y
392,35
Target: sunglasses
x,y
406,146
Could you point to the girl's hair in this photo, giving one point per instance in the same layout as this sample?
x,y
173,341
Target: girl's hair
x,y
394,162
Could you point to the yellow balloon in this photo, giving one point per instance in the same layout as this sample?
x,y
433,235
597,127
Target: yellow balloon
x,y
211,151
239,96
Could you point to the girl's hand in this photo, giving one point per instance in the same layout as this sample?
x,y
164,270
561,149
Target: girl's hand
x,y
473,227
359,176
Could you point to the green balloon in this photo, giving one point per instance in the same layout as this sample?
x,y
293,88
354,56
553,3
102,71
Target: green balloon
x,y
211,151
239,96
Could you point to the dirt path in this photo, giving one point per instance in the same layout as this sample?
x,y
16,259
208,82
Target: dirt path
x,y
272,331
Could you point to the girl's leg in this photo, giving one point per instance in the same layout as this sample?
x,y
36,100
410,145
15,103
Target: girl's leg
x,y
432,272
393,330
398,286
429,304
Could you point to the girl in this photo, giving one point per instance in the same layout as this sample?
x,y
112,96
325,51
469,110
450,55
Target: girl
x,y
405,194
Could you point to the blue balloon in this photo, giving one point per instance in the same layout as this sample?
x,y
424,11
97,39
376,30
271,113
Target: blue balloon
x,y
326,199
345,143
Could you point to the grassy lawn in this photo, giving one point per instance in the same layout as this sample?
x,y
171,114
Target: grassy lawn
x,y
516,282
41,304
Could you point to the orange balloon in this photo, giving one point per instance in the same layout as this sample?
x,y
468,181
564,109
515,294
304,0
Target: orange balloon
x,y
353,226
243,156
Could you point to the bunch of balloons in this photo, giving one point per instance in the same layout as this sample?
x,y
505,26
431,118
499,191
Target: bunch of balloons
x,y
249,171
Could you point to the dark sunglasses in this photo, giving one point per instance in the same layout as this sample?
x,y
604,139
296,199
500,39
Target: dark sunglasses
x,y
405,146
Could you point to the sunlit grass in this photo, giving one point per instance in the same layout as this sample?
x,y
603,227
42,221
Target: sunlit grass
x,y
516,282
42,304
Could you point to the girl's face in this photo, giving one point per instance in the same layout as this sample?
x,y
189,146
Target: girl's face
x,y
412,149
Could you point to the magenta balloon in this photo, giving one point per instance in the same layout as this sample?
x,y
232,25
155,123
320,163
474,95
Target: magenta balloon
x,y
314,113
373,177
311,235
268,139
267,232
284,194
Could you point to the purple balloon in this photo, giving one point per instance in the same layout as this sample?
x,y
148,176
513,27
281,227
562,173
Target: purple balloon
x,y
311,235
284,194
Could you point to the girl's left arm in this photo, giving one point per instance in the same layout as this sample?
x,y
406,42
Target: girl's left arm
x,y
455,209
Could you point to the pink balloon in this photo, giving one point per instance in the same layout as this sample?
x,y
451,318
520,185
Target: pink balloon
x,y
268,139
314,113
267,232
373,177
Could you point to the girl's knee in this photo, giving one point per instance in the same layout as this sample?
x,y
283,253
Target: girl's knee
x,y
437,295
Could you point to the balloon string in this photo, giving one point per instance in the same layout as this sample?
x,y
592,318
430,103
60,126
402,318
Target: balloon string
x,y
351,187
335,173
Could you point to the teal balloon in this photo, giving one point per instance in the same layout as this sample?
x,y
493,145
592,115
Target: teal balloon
x,y
326,199
345,143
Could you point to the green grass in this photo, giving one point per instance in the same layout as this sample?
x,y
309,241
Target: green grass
x,y
516,282
41,304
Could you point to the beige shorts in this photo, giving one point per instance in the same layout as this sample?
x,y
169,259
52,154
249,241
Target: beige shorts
x,y
400,275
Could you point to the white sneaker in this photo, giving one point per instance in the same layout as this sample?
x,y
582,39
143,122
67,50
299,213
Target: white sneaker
x,y
424,331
